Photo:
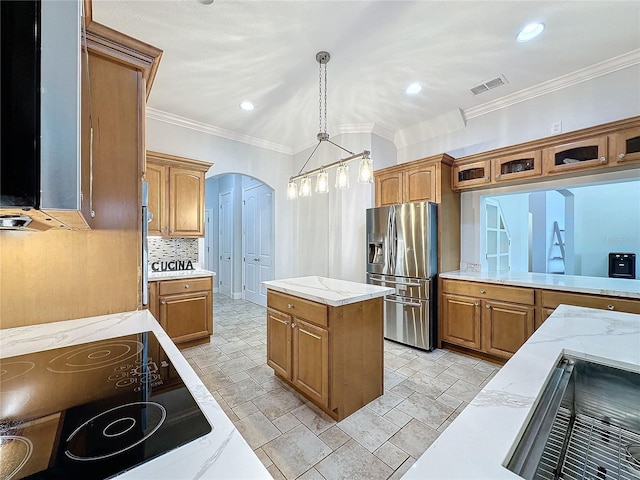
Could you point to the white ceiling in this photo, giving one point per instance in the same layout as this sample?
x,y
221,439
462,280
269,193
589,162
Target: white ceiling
x,y
217,55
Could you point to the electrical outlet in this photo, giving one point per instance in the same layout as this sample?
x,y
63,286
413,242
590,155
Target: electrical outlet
x,y
556,127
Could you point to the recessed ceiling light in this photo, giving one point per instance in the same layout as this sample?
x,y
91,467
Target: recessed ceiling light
x,y
247,106
530,32
413,89
206,2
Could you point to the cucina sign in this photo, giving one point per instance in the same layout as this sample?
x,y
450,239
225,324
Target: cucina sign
x,y
171,266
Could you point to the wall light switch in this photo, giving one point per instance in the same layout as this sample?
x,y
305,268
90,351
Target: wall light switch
x,y
556,127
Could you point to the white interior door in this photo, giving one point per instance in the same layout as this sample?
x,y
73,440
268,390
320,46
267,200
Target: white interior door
x,y
208,240
257,218
498,240
226,242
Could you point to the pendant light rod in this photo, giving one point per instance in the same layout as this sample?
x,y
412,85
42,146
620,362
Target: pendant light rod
x,y
363,154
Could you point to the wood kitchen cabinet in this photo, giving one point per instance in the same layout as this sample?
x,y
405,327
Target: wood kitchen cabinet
x,y
578,155
176,195
332,355
471,174
624,146
184,309
517,166
488,318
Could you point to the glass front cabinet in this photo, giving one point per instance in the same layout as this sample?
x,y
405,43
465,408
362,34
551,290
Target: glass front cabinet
x,y
624,146
578,155
471,174
517,166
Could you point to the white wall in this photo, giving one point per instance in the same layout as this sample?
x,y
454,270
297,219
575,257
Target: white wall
x,y
229,156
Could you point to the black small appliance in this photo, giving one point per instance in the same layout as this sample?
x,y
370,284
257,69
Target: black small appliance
x,y
622,265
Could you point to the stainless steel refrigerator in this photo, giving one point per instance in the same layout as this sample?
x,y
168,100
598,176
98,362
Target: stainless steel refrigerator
x,y
402,254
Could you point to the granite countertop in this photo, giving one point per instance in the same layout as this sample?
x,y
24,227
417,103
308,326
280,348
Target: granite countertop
x,y
329,291
617,287
483,437
223,453
180,274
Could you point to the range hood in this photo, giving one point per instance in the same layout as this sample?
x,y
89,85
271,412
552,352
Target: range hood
x,y
40,167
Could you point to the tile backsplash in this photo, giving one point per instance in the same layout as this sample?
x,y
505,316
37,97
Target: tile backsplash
x,y
167,249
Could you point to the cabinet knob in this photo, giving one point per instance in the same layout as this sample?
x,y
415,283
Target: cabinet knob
x,y
290,305
488,306
293,325
476,303
486,178
482,290
603,159
497,176
611,307
163,302
187,286
286,322
172,231
621,155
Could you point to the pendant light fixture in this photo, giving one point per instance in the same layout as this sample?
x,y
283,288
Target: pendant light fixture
x,y
365,170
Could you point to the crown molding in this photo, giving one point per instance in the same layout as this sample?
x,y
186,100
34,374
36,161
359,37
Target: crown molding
x,y
372,128
177,120
603,68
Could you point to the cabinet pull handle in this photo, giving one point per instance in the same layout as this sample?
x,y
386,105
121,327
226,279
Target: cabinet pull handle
x,y
611,307
187,286
603,159
290,305
476,303
482,290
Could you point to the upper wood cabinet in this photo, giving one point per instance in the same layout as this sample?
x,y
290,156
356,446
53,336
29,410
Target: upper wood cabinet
x,y
388,188
624,146
578,155
611,145
176,195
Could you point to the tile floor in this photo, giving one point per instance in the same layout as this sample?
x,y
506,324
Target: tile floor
x,y
423,393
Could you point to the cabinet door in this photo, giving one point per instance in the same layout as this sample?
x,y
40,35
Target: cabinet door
x,y
420,184
156,176
505,327
388,189
311,361
578,155
186,317
624,146
461,320
279,342
186,203
471,174
514,167
544,314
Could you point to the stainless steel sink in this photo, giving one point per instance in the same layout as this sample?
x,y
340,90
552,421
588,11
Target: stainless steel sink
x,y
586,425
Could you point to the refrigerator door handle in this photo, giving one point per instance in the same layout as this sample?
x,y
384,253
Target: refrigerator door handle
x,y
145,244
410,304
408,284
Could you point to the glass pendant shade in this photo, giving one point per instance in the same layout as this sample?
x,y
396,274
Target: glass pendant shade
x,y
342,176
322,182
365,170
305,187
292,190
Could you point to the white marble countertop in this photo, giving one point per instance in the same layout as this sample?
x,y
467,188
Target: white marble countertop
x,y
483,437
180,274
329,291
221,454
617,287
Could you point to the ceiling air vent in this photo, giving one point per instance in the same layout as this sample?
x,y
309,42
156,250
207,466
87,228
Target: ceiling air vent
x,y
488,85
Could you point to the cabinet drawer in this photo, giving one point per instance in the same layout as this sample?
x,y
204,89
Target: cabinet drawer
x,y
169,287
488,290
298,307
551,299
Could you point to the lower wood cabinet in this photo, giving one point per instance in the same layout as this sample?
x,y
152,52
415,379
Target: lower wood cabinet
x,y
492,319
332,355
184,309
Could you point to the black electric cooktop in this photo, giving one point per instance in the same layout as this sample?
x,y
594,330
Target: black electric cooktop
x,y
92,410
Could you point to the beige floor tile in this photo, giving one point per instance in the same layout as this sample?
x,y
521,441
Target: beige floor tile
x,y
245,409
403,469
277,402
391,378
261,373
368,428
391,455
238,377
414,438
425,409
263,457
296,451
275,473
237,365
353,462
334,437
384,403
241,392
463,390
428,367
403,390
397,417
394,361
257,430
449,400
209,359
311,474
432,387
466,372
272,384
313,418
286,422
215,381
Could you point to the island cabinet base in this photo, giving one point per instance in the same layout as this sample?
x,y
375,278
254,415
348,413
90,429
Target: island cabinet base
x,y
331,355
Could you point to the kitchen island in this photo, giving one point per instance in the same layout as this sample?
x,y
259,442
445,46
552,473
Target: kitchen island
x,y
222,453
325,339
482,439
